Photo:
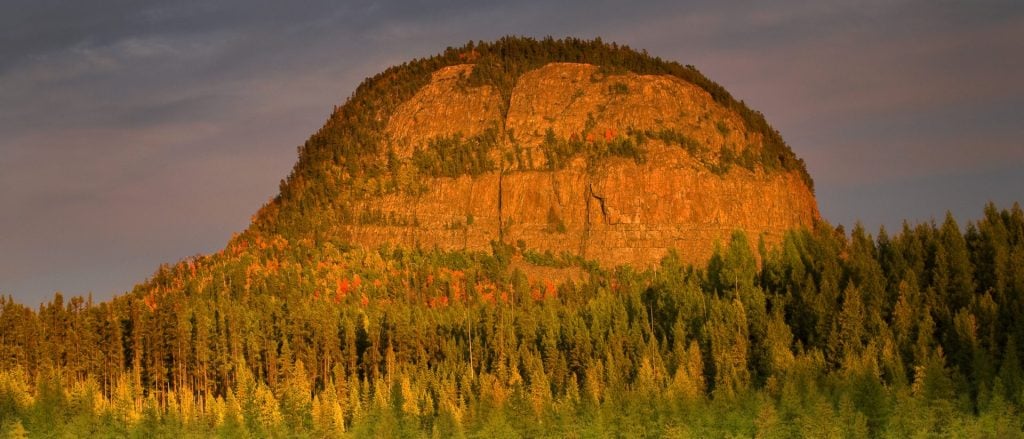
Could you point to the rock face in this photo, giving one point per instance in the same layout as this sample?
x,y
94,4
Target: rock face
x,y
615,210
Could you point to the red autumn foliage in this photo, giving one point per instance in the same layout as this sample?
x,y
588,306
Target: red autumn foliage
x,y
341,290
487,297
549,290
150,301
438,302
344,286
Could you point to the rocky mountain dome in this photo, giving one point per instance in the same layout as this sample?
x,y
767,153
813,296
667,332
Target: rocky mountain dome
x,y
577,148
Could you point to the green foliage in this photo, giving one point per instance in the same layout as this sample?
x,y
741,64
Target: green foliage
x,y
719,162
549,259
722,128
559,152
275,338
455,156
674,137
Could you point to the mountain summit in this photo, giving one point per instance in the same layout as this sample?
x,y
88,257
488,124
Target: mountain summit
x,y
339,312
577,148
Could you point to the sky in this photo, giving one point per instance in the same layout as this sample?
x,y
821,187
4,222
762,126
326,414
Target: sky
x,y
135,133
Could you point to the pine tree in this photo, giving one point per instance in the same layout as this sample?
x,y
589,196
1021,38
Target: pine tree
x,y
727,331
294,395
267,409
960,282
852,332
327,414
688,380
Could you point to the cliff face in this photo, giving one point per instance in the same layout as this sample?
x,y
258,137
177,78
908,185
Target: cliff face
x,y
610,208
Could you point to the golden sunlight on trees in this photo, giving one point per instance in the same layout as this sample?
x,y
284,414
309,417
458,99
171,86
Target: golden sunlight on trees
x,y
915,333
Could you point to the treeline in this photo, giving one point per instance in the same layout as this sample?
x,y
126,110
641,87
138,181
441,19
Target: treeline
x,y
455,156
918,333
559,152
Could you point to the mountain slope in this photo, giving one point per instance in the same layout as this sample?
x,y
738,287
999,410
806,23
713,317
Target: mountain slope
x,y
315,322
577,148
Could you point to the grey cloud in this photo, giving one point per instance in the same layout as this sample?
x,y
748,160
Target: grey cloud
x,y
142,132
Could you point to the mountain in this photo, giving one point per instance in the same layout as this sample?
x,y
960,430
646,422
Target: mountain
x,y
517,239
572,148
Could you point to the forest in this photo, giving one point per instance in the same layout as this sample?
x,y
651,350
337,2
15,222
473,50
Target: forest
x,y
830,333
291,331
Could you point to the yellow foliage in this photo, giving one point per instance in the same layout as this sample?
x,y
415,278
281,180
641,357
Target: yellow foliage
x,y
233,409
125,405
332,415
540,391
688,380
268,411
14,384
216,411
410,404
14,430
450,401
594,377
86,393
381,393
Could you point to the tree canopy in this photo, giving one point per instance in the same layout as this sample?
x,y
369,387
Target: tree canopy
x,y
889,335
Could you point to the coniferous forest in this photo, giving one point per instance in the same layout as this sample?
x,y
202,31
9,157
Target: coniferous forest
x,y
830,334
291,331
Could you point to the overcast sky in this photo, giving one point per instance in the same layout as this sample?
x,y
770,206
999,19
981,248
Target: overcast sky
x,y
134,133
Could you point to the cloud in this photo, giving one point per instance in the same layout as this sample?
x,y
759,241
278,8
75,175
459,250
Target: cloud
x,y
143,132
877,95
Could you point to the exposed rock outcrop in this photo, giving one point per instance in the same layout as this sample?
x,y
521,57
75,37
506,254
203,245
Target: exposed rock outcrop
x,y
613,209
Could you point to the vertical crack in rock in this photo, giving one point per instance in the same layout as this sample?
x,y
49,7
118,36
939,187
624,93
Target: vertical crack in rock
x,y
600,201
506,104
469,212
557,191
585,236
501,219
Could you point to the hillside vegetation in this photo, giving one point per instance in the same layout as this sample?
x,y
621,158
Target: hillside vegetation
x,y
912,334
300,329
